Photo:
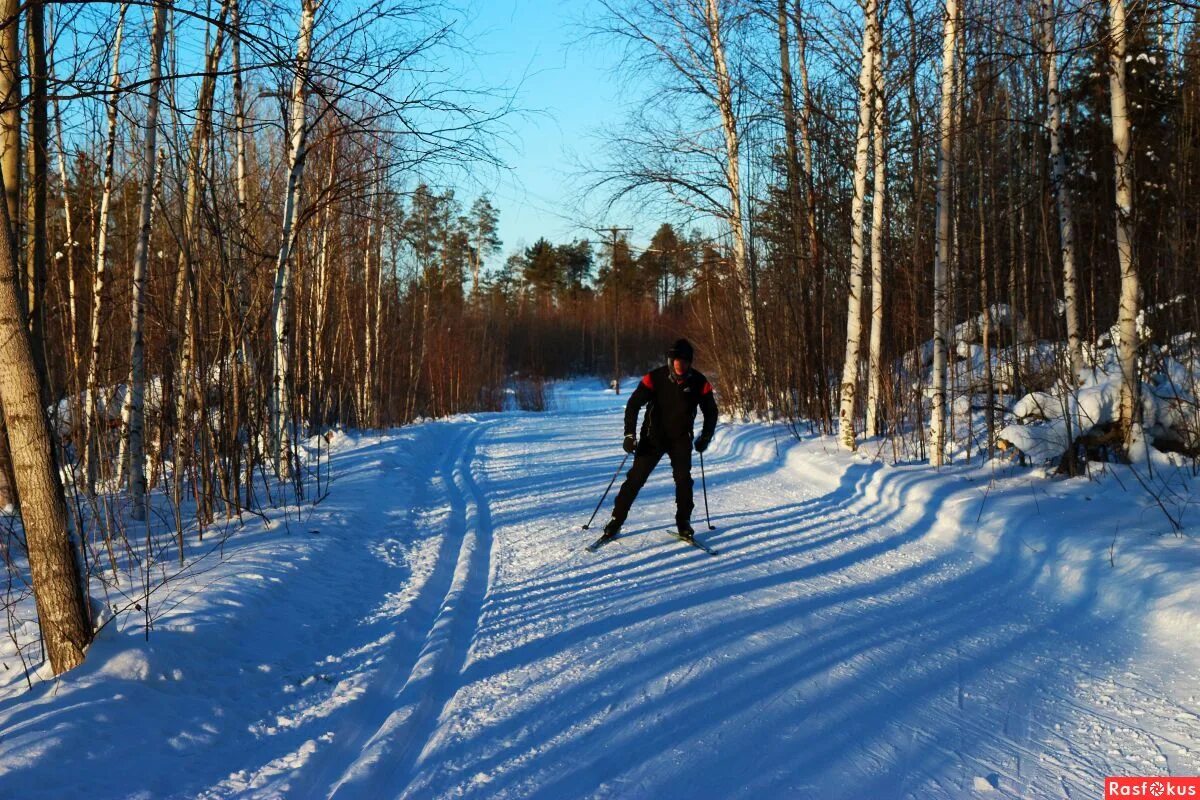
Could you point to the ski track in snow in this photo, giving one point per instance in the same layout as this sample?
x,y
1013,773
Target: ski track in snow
x,y
445,635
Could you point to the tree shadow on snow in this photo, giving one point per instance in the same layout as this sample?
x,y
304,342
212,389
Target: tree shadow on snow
x,y
817,656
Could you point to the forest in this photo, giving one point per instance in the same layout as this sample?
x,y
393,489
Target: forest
x,y
954,231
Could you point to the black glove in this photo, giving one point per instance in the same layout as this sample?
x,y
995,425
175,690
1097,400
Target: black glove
x,y
703,442
630,444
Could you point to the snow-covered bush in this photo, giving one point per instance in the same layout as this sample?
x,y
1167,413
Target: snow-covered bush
x,y
1049,423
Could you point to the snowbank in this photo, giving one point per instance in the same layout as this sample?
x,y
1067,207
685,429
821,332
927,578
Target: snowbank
x,y
1105,537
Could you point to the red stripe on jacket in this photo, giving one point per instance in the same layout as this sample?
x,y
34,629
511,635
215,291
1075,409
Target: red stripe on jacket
x,y
647,382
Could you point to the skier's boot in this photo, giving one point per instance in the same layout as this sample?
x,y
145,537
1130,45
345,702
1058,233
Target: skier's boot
x,y
611,529
686,531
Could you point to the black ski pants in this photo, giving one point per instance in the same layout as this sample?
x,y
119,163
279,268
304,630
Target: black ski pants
x,y
645,459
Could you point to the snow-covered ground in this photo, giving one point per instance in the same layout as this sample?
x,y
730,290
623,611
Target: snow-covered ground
x,y
435,628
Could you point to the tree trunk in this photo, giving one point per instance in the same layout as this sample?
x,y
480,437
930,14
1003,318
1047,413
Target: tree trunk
x,y
733,181
806,363
937,427
1062,196
377,318
316,352
862,143
10,171
186,311
73,343
814,327
137,364
35,212
878,199
92,383
10,118
57,586
1123,174
280,411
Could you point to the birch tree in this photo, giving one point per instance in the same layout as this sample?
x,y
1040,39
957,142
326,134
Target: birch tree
x,y
862,142
99,272
1123,178
135,411
878,200
1062,194
280,410
723,98
937,428
687,43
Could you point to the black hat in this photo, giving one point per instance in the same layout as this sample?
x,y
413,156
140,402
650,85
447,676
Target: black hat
x,y
682,349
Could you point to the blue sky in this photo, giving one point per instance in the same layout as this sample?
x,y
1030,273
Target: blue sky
x,y
567,88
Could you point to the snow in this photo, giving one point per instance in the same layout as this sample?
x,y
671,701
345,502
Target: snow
x,y
435,629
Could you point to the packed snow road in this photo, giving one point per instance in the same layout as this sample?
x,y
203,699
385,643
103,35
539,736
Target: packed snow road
x,y
436,629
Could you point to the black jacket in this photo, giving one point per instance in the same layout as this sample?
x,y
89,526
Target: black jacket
x,y
671,405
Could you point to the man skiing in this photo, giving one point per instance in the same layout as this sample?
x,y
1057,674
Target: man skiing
x,y
671,394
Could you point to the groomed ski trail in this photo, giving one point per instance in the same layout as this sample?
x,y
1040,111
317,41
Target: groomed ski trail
x,y
452,637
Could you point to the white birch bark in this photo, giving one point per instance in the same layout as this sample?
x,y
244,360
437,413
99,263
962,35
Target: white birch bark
x,y
137,371
92,383
1058,177
724,102
854,297
878,200
280,410
1123,178
74,344
937,425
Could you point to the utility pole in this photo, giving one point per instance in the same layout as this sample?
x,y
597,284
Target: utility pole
x,y
612,266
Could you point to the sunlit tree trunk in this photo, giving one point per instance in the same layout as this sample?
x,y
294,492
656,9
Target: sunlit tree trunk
x,y
93,426
1062,195
862,142
57,586
10,168
878,200
732,166
73,341
1123,161
137,371
280,409
937,427
10,116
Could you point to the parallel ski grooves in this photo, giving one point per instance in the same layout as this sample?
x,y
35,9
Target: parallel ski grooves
x,y
400,714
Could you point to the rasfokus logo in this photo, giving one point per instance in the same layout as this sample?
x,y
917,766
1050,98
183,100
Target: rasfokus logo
x,y
1151,787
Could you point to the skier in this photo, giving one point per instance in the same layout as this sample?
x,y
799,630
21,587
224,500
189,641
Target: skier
x,y
671,394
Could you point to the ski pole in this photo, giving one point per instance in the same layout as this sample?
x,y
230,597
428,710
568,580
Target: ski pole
x,y
606,491
704,484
